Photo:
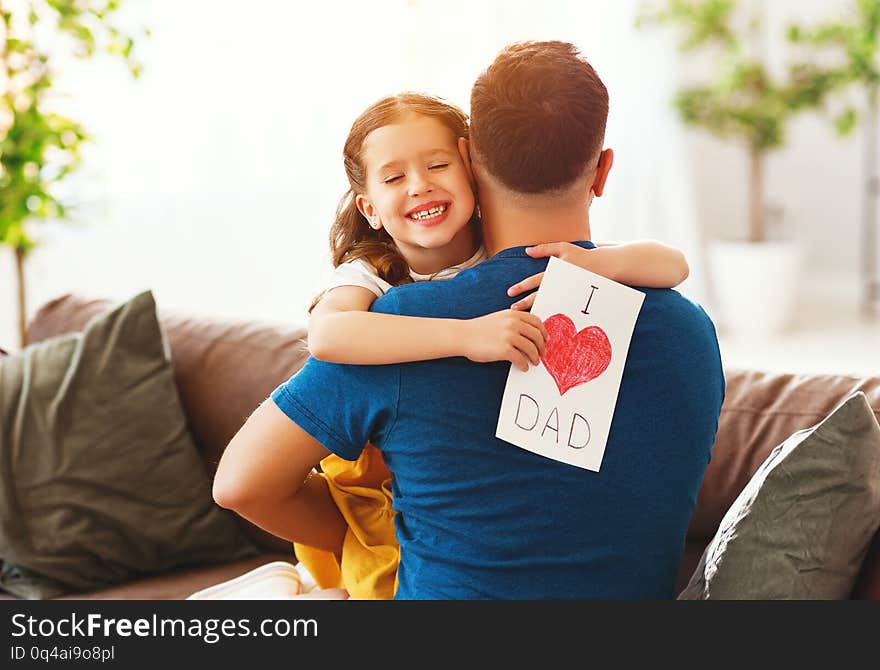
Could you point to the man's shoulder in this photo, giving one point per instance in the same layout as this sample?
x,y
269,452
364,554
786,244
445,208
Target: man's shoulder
x,y
667,304
397,298
674,332
672,324
427,297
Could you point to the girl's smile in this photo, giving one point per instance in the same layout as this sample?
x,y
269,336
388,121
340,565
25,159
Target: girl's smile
x,y
431,213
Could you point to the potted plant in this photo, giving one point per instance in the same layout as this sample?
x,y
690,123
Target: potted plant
x,y
855,38
742,101
39,147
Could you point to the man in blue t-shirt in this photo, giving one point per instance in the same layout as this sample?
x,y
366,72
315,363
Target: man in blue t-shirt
x,y
478,517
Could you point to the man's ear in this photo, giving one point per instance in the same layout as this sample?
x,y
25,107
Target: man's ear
x,y
464,150
366,207
606,160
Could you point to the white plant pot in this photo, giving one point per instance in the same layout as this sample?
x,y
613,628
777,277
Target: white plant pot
x,y
755,285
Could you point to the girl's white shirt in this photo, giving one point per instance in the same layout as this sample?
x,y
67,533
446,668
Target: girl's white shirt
x,y
360,273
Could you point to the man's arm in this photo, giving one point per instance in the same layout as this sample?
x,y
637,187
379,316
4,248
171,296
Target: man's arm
x,y
266,475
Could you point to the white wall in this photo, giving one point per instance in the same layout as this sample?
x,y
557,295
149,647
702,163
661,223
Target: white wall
x,y
214,177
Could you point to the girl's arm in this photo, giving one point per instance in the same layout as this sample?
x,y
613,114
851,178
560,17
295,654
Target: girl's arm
x,y
645,263
342,330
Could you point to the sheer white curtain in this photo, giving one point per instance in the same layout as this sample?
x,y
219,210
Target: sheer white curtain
x,y
214,178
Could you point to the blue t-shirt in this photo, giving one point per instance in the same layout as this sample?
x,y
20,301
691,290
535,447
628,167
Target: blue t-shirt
x,y
479,518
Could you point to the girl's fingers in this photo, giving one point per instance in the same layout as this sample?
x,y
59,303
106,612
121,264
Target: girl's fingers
x,y
525,303
528,348
534,327
539,251
533,330
544,250
536,336
525,285
519,359
536,322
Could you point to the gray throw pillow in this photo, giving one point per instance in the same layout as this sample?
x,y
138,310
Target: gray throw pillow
x,y
800,528
100,480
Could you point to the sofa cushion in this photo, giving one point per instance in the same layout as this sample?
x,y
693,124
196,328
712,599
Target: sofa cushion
x,y
101,481
868,586
760,410
801,527
223,370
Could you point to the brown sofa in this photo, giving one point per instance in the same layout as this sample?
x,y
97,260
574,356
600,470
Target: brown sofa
x,y
225,368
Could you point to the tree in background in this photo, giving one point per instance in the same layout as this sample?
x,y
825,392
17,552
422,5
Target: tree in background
x,y
40,147
854,39
741,100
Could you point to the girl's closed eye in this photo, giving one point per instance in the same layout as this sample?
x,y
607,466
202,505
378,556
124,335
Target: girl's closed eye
x,y
438,166
392,179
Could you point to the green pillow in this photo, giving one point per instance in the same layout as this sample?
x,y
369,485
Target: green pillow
x,y
800,528
100,480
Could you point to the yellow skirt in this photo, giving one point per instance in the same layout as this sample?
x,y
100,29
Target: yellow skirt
x,y
361,490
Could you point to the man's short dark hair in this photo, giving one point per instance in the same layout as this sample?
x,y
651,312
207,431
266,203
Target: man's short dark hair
x,y
538,116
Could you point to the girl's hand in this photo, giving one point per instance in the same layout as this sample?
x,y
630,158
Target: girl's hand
x,y
506,335
525,285
566,251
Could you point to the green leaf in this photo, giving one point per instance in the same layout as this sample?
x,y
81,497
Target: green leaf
x,y
846,121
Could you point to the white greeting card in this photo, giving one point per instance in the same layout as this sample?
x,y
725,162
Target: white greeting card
x,y
562,408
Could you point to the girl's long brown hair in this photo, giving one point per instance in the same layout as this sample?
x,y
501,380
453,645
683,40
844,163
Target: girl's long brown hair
x,y
351,237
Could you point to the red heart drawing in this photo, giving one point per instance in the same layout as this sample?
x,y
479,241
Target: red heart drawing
x,y
573,358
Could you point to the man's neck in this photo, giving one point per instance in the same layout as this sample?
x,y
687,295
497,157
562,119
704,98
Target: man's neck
x,y
507,225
